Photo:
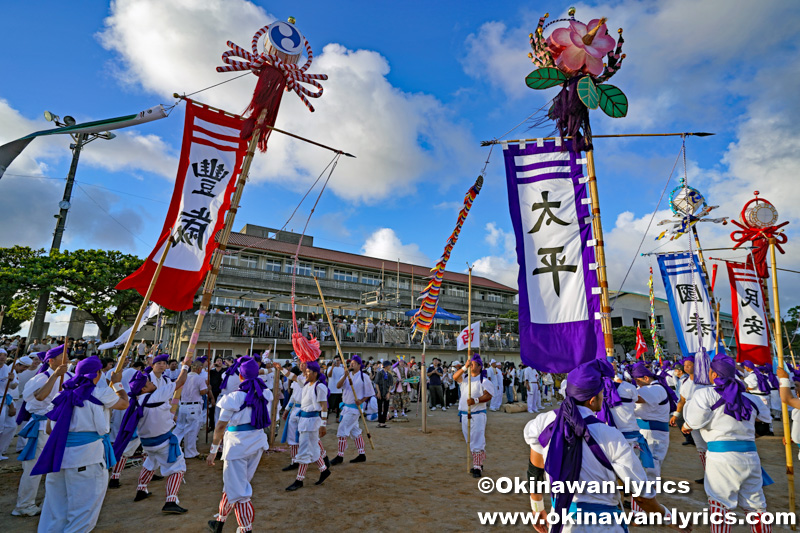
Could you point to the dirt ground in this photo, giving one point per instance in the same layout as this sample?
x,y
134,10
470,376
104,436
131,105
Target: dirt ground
x,y
411,482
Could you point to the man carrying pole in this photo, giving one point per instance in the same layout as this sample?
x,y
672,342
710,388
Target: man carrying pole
x,y
477,391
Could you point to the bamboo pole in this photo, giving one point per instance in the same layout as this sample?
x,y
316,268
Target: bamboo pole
x,y
145,302
703,265
423,389
600,256
789,343
696,134
469,374
784,409
8,379
208,387
344,363
274,411
716,348
211,278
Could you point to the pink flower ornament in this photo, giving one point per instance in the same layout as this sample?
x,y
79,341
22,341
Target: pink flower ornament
x,y
581,47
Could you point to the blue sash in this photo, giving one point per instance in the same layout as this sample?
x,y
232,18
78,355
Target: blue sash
x,y
652,425
645,453
174,447
30,432
242,427
596,508
79,438
739,446
464,413
309,414
285,434
9,400
342,405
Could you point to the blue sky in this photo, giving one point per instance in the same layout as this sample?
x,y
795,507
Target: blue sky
x,y
414,87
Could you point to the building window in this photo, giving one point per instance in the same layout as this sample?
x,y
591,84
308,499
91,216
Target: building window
x,y
460,292
641,323
392,283
230,259
371,279
303,269
249,261
492,297
345,275
319,272
616,322
659,321
273,265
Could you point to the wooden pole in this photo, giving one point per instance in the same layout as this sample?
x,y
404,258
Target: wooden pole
x,y
469,374
208,387
8,379
703,266
779,348
696,134
344,363
145,302
274,413
2,315
216,261
716,348
600,256
789,343
423,389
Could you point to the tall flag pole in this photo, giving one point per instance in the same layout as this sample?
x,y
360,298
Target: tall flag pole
x,y
423,319
653,335
580,58
758,224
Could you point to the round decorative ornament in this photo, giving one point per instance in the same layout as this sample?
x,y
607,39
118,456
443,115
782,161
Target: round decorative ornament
x,y
686,201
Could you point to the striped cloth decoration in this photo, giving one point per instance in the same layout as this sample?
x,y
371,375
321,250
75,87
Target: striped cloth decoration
x,y
423,319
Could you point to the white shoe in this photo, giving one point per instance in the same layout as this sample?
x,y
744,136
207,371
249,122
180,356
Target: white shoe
x,y
3,457
28,511
444,408
433,408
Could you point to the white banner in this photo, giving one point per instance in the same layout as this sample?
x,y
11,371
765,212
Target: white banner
x,y
119,341
470,335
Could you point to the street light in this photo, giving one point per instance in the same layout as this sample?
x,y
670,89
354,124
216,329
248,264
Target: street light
x,y
81,140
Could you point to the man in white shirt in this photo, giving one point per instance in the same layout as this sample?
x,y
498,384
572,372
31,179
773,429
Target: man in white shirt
x,y
311,426
477,391
653,408
571,445
190,412
335,374
547,382
77,455
38,401
243,418
531,378
496,376
350,423
158,441
291,415
688,387
725,415
141,349
8,403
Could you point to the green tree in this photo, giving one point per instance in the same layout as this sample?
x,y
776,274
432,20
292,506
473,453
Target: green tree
x,y
11,260
84,279
625,336
792,323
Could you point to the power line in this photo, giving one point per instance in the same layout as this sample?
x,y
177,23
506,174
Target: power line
x,y
87,184
112,217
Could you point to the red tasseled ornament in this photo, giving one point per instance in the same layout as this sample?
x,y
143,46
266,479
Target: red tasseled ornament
x,y
267,95
306,350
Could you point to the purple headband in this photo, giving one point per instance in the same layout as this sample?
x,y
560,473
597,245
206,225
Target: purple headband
x,y
159,358
639,370
730,389
749,364
49,354
201,359
88,367
254,388
586,381
477,358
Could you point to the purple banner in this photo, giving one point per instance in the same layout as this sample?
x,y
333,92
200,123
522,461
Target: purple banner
x,y
559,297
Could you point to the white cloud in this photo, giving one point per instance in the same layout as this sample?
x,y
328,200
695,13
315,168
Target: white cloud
x,y
399,138
131,150
384,243
502,268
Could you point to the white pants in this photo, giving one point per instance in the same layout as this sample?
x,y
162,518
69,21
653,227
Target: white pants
x,y
308,451
236,477
190,418
699,442
291,427
537,397
157,457
8,428
477,431
349,426
531,402
734,478
497,399
73,499
28,484
659,445
548,394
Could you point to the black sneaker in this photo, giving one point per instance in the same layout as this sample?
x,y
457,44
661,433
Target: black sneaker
x,y
325,474
141,495
337,460
360,459
292,466
158,478
215,526
113,484
327,462
477,472
172,508
700,481
296,485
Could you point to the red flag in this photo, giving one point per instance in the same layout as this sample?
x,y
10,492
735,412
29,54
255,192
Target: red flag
x,y
210,162
749,317
641,345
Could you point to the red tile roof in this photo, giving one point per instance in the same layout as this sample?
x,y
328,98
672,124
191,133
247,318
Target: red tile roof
x,y
362,261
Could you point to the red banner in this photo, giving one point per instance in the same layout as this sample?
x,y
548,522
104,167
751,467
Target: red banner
x,y
210,162
749,317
